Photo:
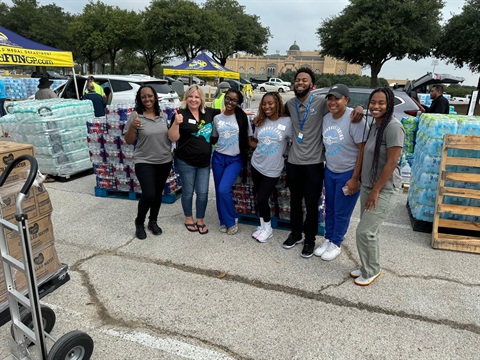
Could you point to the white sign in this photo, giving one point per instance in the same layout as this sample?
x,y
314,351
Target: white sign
x,y
473,102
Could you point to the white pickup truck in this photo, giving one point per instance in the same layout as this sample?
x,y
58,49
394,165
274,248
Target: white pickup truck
x,y
279,81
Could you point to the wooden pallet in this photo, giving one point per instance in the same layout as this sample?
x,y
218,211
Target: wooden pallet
x,y
466,236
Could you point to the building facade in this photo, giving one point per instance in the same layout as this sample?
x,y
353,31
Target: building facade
x,y
275,65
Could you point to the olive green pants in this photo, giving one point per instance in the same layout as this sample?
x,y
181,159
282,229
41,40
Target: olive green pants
x,y
368,229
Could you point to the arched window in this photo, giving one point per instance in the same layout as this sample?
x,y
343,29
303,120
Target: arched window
x,y
341,72
251,70
241,69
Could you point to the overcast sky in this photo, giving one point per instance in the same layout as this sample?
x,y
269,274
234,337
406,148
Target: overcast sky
x,y
297,20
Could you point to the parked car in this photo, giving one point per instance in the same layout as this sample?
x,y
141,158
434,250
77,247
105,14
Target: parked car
x,y
124,88
234,84
404,104
272,86
186,80
169,79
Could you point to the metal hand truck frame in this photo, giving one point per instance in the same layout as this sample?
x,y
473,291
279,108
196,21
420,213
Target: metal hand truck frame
x,y
31,321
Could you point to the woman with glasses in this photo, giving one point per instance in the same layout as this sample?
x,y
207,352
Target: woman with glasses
x,y
230,136
191,130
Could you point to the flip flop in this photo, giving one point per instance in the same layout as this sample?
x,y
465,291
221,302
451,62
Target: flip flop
x,y
203,226
190,226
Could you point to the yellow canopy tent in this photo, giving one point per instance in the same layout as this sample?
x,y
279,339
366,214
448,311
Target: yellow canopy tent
x,y
202,65
15,50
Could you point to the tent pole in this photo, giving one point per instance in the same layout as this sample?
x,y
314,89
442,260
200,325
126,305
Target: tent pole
x,y
75,82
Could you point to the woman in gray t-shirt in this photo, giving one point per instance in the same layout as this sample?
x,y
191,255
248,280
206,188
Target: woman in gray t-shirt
x,y
273,130
380,181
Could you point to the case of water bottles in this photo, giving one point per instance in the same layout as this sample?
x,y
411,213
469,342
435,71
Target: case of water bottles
x,y
113,158
56,128
427,159
22,88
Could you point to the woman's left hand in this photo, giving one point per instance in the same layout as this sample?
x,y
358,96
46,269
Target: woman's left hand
x,y
353,186
372,200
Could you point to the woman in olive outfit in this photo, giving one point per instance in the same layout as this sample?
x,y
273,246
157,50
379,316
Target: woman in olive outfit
x,y
152,157
192,129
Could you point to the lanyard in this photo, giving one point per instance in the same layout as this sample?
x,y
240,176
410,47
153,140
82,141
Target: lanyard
x,y
306,111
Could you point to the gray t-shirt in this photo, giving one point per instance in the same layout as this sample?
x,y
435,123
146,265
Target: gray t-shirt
x,y
393,135
226,129
153,145
340,138
273,137
310,150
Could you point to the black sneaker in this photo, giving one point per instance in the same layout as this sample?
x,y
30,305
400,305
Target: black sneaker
x,y
293,239
140,232
308,250
154,228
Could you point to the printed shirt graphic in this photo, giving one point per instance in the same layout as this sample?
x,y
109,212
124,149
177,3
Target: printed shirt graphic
x,y
273,137
340,137
204,130
226,129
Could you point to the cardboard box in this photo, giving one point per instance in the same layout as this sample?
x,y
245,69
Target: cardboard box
x,y
9,151
45,262
41,235
44,205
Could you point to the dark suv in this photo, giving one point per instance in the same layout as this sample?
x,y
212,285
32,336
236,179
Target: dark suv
x,y
404,104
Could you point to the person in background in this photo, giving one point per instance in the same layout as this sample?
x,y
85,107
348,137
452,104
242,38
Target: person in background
x,y
3,96
98,88
152,157
247,91
218,102
381,182
97,100
273,131
305,169
191,129
440,104
108,95
44,91
230,137
343,142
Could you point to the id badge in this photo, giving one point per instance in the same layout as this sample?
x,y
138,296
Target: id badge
x,y
192,121
300,137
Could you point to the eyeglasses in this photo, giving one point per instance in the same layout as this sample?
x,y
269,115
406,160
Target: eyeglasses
x,y
229,99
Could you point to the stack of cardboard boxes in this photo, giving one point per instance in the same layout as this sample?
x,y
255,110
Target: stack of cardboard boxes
x,y
38,208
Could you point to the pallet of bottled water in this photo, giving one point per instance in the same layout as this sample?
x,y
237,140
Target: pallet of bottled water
x,y
56,128
22,88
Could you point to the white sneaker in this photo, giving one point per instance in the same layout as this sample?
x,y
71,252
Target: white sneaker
x,y
222,228
259,229
355,273
361,281
332,252
266,233
321,249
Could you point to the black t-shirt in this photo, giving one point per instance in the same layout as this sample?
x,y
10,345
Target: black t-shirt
x,y
439,106
194,146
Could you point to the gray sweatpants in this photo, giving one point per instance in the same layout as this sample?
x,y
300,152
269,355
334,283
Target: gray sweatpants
x,y
369,228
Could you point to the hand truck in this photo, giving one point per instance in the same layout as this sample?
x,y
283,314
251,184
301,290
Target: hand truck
x,y
31,321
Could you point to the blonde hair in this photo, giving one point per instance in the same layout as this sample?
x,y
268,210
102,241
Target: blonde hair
x,y
189,92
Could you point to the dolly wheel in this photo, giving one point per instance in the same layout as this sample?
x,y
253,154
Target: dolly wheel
x,y
48,319
75,345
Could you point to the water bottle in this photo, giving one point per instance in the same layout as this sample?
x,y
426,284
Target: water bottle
x,y
406,172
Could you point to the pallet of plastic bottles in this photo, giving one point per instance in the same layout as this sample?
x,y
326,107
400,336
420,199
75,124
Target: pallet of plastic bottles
x,y
456,222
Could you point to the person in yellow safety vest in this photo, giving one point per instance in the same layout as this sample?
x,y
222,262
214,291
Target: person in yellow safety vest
x,y
98,88
219,95
248,95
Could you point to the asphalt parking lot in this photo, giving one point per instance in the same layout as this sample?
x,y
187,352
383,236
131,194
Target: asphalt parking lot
x,y
188,296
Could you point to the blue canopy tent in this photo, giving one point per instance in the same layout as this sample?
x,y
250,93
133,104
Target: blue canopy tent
x,y
202,65
15,50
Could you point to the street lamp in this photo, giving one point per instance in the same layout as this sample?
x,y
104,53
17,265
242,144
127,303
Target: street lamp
x,y
434,63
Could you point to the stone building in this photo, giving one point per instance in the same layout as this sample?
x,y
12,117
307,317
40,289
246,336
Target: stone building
x,y
277,64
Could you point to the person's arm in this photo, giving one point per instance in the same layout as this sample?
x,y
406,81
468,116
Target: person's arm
x,y
131,134
252,142
353,183
174,131
393,155
357,114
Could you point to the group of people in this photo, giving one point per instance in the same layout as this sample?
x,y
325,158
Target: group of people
x,y
361,161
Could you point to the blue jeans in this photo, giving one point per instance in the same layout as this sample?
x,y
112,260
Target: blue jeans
x,y
338,207
193,178
225,170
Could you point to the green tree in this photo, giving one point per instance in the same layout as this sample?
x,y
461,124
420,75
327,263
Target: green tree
x,y
371,32
459,43
19,22
242,32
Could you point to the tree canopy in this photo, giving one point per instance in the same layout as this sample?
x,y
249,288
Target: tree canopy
x,y
459,43
371,32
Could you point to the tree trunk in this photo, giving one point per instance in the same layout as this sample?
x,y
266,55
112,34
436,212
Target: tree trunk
x,y
374,71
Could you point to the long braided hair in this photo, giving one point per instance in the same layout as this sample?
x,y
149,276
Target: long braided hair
x,y
390,99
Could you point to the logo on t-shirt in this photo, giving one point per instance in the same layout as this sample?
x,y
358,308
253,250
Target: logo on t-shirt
x,y
269,140
333,139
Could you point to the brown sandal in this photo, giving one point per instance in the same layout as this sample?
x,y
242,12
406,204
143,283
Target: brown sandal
x,y
191,227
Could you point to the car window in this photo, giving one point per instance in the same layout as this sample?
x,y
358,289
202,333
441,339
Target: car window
x,y
120,85
160,87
